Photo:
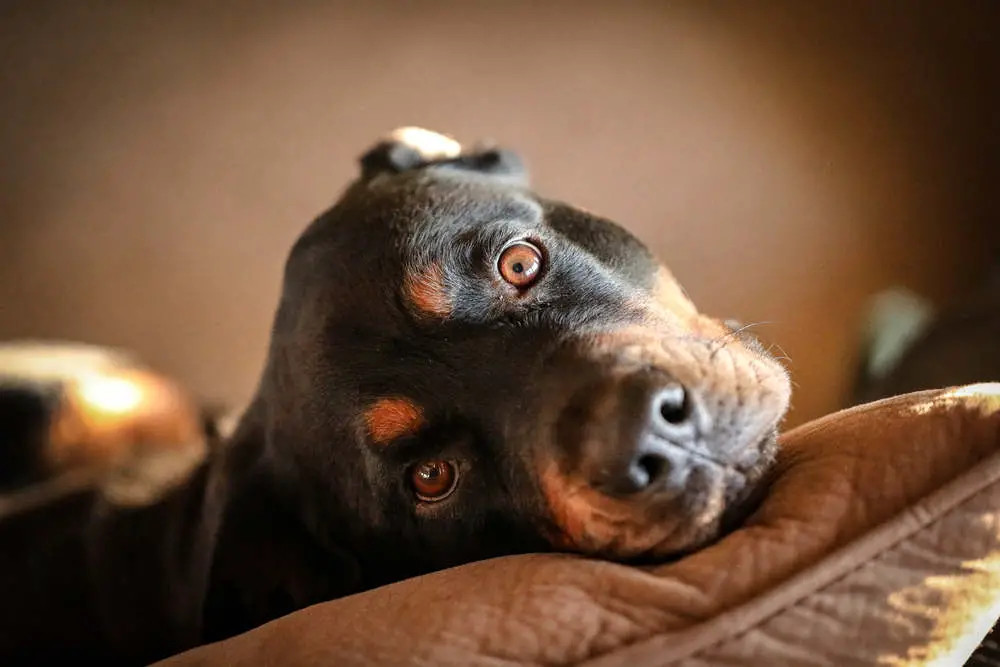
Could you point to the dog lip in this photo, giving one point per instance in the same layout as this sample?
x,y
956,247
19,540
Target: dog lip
x,y
696,455
692,507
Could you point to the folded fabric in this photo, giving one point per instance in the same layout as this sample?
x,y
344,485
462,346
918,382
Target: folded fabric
x,y
878,543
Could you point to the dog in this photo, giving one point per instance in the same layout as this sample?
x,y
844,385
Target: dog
x,y
458,369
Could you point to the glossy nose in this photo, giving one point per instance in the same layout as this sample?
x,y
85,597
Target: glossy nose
x,y
671,417
642,432
672,412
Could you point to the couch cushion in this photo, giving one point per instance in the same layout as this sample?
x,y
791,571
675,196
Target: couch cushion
x,y
878,542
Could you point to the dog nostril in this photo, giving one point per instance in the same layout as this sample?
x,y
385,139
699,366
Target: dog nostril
x,y
645,471
652,467
675,405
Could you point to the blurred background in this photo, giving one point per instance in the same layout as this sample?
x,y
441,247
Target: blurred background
x,y
786,159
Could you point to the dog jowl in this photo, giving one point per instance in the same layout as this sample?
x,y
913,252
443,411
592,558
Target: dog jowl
x,y
461,368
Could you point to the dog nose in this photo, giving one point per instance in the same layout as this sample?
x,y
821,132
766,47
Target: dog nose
x,y
672,412
658,458
635,433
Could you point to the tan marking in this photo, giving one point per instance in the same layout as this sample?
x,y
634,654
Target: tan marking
x,y
589,522
668,295
427,291
641,343
753,390
669,312
392,418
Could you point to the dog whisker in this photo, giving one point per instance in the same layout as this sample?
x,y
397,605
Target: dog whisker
x,y
721,341
783,355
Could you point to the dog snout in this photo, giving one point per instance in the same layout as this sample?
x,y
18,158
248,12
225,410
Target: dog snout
x,y
635,434
643,433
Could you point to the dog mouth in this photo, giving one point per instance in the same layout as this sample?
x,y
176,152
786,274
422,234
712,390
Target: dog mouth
x,y
714,498
652,457
720,496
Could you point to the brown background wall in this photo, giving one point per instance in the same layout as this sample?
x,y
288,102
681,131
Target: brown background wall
x,y
786,159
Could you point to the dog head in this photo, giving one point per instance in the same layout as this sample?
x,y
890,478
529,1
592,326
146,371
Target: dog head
x,y
460,368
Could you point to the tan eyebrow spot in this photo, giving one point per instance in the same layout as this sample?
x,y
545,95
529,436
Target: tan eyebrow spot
x,y
427,292
391,418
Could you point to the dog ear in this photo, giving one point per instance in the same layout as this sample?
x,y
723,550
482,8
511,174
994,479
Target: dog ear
x,y
409,148
265,564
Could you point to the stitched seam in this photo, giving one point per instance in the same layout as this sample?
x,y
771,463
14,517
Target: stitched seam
x,y
890,548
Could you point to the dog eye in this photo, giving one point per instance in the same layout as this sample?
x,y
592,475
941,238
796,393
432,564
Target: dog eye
x,y
520,264
434,480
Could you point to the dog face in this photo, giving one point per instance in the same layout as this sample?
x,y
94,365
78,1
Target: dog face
x,y
462,369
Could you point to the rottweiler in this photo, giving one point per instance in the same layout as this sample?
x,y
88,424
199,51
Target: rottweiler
x,y
458,368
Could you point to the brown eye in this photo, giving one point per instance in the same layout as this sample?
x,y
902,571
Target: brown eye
x,y
520,264
434,480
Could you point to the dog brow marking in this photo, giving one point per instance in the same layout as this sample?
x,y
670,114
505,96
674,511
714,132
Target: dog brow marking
x,y
391,418
427,291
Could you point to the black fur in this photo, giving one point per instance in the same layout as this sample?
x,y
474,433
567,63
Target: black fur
x,y
298,506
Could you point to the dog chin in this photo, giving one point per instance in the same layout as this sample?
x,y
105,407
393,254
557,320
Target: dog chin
x,y
749,489
719,499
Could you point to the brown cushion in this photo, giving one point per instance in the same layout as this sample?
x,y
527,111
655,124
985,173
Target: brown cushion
x,y
878,542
